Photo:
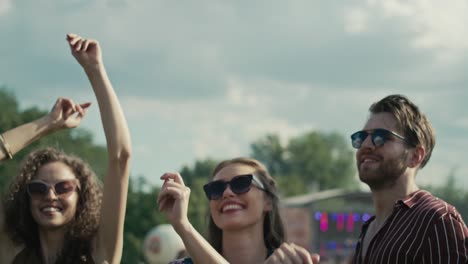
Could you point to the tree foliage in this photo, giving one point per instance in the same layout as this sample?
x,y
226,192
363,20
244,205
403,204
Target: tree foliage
x,y
312,161
141,216
195,177
452,193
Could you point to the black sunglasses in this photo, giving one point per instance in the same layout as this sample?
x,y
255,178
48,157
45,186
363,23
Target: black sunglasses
x,y
239,185
378,137
63,189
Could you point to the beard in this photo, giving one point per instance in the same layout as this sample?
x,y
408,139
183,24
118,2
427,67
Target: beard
x,y
386,175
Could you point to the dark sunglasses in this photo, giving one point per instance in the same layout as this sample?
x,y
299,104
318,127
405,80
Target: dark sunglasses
x,y
239,185
378,137
62,189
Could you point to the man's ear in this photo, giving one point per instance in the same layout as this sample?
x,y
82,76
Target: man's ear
x,y
416,156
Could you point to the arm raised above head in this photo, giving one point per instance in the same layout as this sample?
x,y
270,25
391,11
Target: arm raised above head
x,y
64,114
110,233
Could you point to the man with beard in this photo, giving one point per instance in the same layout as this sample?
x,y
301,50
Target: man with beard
x,y
410,225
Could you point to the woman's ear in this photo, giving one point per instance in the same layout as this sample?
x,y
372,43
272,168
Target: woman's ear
x,y
268,204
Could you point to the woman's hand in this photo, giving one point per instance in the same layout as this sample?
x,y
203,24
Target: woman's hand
x,y
173,199
293,254
86,51
67,114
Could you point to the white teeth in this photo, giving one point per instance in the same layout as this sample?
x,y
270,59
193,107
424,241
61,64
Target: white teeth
x,y
231,207
50,209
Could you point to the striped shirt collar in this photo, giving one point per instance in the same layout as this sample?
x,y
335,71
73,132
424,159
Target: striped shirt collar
x,y
413,198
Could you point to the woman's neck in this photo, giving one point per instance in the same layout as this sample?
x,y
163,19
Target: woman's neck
x,y
244,246
52,242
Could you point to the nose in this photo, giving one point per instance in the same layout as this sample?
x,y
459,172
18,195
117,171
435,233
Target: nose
x,y
228,192
367,143
51,195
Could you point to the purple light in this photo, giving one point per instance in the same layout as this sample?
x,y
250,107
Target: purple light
x,y
356,217
334,216
332,245
365,217
318,215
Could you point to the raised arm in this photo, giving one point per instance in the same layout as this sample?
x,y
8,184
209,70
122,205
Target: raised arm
x,y
109,241
64,114
173,201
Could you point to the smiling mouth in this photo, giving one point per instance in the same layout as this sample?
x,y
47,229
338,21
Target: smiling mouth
x,y
231,207
368,160
51,209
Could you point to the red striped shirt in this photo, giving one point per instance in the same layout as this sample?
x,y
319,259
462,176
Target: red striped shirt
x,y
421,229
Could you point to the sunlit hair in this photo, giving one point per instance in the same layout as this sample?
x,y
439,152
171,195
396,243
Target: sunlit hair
x,y
273,227
19,222
411,123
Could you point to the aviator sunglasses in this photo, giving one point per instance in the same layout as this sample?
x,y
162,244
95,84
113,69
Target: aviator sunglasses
x,y
239,185
378,137
62,189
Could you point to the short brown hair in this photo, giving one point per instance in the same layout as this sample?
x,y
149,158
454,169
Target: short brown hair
x,y
411,122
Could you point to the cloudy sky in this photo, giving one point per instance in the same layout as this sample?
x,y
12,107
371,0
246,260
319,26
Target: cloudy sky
x,y
206,78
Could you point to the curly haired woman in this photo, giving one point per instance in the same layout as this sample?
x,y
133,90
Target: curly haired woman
x,y
56,210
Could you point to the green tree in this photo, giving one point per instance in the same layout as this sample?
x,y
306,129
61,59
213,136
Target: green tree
x,y
141,216
452,193
201,169
314,160
195,177
270,150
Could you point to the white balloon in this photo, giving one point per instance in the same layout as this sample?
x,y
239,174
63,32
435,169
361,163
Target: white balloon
x,y
162,244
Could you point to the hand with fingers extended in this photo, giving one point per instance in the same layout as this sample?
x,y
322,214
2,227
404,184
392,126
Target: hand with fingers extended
x,y
173,199
67,114
86,51
292,253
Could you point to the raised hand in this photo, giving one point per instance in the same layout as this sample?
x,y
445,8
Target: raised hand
x,y
86,51
66,114
292,253
173,199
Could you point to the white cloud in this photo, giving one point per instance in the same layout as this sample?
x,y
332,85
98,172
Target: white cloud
x,y
435,25
356,20
211,140
394,7
5,6
207,78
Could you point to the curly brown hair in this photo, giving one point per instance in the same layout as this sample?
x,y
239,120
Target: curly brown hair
x,y
273,227
21,226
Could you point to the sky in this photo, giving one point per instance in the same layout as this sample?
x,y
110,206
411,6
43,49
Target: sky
x,y
206,78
